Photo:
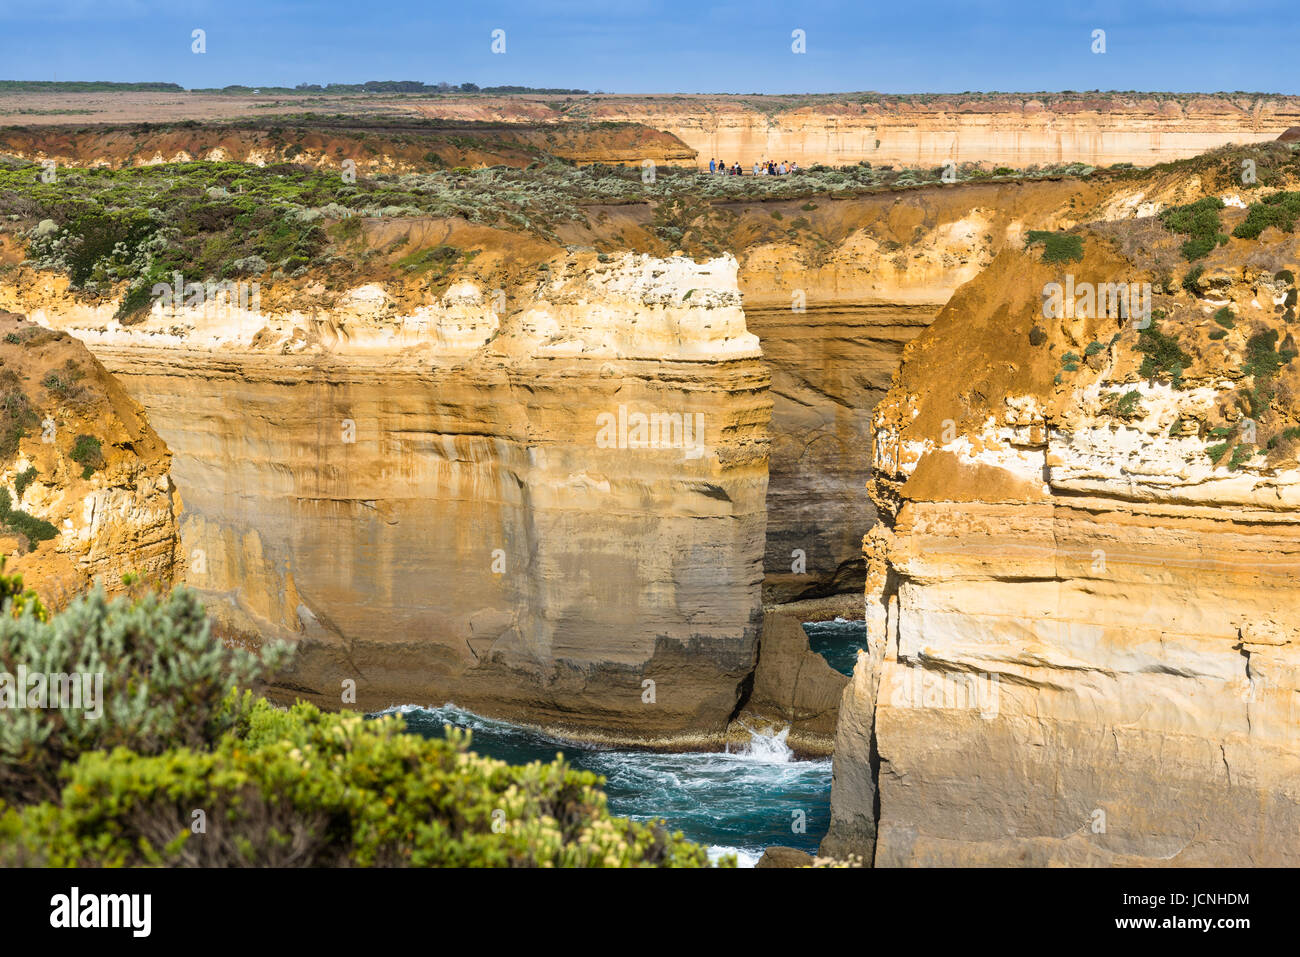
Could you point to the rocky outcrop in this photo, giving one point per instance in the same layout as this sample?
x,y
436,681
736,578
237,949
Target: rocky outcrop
x,y
793,688
358,145
784,857
84,480
1082,636
927,130
551,513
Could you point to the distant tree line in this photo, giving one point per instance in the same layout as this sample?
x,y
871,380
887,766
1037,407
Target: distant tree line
x,y
389,86
86,86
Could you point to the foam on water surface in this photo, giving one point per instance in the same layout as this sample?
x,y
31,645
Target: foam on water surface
x,y
734,802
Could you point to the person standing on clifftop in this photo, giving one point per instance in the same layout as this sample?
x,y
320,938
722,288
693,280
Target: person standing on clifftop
x,y
713,167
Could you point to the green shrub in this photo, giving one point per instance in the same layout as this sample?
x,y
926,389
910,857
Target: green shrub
x,y
1127,406
24,479
16,414
1057,247
1263,360
1280,210
166,682
1191,282
1198,220
1239,456
1162,355
89,454
35,529
1224,318
305,788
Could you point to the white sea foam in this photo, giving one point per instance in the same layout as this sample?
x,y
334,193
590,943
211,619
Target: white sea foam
x,y
735,801
768,748
744,858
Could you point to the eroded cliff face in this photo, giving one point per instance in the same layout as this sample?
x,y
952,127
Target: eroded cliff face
x,y
834,307
77,453
835,302
551,512
358,145
927,130
1083,638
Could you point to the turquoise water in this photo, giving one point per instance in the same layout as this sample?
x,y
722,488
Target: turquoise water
x,y
837,641
734,802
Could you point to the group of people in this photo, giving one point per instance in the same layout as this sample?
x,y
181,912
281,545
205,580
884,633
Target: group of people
x,y
769,168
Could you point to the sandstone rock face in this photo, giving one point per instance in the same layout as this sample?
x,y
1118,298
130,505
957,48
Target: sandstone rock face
x,y
793,688
1083,645
369,149
1014,130
121,517
784,857
833,318
554,514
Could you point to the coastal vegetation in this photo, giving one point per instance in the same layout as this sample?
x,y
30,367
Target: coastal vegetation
x,y
172,764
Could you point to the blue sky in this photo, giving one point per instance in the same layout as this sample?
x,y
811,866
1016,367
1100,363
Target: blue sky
x,y
640,46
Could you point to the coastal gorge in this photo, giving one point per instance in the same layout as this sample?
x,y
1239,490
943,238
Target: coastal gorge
x,y
578,443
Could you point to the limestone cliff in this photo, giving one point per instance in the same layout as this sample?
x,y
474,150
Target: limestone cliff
x,y
84,481
1014,129
365,146
1083,639
546,505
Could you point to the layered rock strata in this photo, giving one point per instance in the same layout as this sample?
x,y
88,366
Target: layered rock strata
x,y
552,512
86,481
1083,645
794,690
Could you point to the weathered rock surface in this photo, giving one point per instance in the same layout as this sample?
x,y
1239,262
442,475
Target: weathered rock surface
x,y
120,518
793,688
1083,644
784,857
1018,129
447,504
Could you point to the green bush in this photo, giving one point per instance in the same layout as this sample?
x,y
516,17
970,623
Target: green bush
x,y
166,682
1280,210
16,414
1263,360
89,454
1162,355
35,529
24,479
1198,220
306,788
1127,406
1057,247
